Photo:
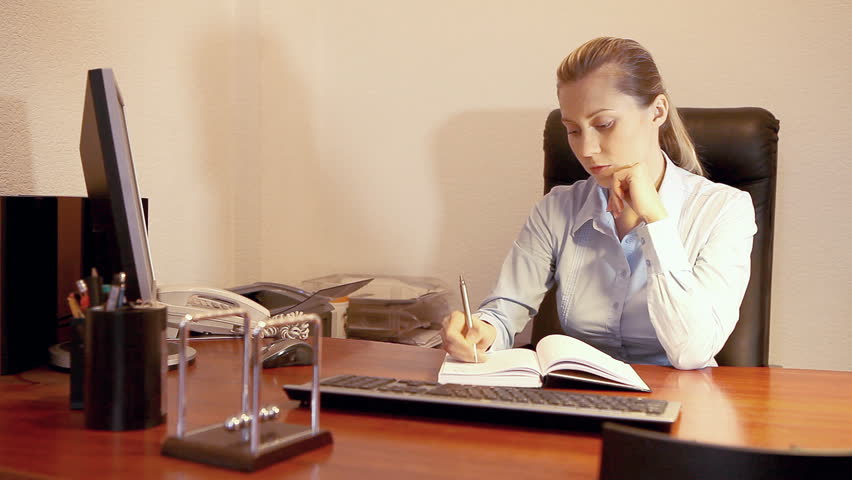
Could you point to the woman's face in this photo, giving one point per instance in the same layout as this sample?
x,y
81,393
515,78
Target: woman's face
x,y
607,128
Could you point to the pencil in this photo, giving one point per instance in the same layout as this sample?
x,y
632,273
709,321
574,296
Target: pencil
x,y
76,312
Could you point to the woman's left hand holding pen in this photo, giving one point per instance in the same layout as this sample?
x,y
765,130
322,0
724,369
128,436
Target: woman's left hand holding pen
x,y
457,338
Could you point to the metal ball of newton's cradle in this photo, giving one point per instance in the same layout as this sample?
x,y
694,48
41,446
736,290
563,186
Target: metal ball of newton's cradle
x,y
237,423
232,424
269,413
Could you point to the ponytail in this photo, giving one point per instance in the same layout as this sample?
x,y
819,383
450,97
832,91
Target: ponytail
x,y
675,141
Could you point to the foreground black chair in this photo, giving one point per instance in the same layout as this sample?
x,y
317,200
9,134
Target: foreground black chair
x,y
633,454
738,147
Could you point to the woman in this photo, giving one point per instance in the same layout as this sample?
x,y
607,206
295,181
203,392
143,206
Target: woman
x,y
651,260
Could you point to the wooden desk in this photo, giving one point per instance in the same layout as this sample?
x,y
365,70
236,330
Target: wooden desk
x,y
765,407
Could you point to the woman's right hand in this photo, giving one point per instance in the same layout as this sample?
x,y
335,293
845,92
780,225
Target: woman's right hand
x,y
458,340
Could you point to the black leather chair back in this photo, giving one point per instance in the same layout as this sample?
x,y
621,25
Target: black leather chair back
x,y
738,147
631,453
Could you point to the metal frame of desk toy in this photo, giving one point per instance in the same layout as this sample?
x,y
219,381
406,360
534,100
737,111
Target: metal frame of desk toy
x,y
248,441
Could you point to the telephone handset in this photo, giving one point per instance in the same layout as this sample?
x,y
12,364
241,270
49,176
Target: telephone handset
x,y
185,299
262,301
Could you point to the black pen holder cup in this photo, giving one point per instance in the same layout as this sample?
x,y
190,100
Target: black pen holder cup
x,y
125,368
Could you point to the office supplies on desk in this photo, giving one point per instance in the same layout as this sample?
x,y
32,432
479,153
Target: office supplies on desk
x,y
467,319
457,401
74,306
338,317
83,292
115,299
125,368
249,440
94,288
558,358
391,308
261,300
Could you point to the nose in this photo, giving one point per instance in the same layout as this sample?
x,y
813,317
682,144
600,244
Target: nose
x,y
586,145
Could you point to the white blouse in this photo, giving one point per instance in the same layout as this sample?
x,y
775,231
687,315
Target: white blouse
x,y
668,293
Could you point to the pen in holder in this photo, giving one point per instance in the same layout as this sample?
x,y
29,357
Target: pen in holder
x,y
94,286
249,440
125,368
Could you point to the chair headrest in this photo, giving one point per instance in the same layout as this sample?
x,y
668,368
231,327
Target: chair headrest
x,y
737,146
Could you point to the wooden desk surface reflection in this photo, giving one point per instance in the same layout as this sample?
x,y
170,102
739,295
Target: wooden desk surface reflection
x,y
740,406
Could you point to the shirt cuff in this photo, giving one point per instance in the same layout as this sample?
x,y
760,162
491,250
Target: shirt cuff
x,y
662,246
501,341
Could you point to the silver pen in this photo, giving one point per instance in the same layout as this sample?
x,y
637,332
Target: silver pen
x,y
467,317
115,299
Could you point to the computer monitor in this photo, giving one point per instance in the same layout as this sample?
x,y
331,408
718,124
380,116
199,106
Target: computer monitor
x,y
111,181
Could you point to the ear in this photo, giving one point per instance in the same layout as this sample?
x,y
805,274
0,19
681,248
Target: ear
x,y
660,109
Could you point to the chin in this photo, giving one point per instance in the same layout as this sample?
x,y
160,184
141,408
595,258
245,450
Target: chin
x,y
604,181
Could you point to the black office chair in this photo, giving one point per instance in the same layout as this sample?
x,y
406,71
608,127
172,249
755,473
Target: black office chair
x,y
738,147
630,453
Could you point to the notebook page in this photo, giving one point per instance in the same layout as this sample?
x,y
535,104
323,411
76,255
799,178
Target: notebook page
x,y
561,351
507,362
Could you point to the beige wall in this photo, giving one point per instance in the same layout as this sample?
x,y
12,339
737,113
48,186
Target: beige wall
x,y
405,137
174,64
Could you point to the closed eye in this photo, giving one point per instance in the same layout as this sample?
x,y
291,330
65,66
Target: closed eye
x,y
606,125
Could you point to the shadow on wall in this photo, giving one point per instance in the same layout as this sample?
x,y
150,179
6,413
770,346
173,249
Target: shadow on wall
x,y
225,161
16,155
227,167
489,171
289,219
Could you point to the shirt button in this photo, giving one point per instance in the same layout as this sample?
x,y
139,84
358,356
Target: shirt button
x,y
647,263
642,241
616,305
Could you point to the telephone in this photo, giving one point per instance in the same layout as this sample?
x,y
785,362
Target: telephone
x,y
261,300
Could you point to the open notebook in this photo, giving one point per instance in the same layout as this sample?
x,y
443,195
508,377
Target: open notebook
x,y
559,357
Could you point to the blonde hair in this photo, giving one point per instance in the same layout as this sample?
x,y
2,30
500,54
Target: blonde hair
x,y
638,77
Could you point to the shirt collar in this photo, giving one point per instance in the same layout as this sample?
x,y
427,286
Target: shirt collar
x,y
671,194
594,206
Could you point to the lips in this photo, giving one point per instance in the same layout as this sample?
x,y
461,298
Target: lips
x,y
599,169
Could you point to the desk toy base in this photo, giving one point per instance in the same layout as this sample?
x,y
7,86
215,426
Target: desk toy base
x,y
214,445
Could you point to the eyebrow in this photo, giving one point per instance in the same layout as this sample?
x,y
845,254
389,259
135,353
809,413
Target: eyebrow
x,y
590,115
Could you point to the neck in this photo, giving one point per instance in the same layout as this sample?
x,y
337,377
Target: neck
x,y
657,168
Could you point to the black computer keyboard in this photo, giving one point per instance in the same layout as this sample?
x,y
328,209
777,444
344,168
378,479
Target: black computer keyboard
x,y
527,406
